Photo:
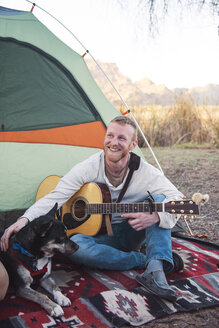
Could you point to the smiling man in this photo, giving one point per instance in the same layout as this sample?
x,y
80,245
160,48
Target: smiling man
x,y
119,141
130,230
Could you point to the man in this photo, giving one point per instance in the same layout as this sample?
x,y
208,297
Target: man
x,y
130,230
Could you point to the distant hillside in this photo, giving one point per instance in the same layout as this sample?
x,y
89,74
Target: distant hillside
x,y
145,92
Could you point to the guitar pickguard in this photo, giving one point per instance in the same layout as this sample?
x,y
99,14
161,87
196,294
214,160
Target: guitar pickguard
x,y
72,224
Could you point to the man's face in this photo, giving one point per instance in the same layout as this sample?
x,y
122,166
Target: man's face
x,y
119,140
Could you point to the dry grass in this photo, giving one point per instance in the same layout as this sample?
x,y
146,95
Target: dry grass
x,y
181,123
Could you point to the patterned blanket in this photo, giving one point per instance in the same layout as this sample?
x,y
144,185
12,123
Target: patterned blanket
x,y
114,298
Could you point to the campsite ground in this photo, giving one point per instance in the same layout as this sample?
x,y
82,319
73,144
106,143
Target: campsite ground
x,y
193,170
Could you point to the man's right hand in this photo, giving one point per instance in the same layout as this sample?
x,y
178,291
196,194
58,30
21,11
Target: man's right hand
x,y
15,227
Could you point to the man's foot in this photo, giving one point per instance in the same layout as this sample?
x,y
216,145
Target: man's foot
x,y
148,281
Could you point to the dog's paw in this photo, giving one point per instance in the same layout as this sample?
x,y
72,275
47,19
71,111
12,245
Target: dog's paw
x,y
62,299
56,311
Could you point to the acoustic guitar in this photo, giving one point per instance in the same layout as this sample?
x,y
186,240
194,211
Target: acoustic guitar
x,y
85,212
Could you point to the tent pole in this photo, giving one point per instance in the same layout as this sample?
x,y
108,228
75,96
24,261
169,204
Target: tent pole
x,y
113,86
140,130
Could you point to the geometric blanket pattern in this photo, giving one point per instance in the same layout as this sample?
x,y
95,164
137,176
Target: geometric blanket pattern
x,y
103,298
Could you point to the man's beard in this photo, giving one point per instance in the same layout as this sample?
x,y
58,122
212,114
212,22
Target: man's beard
x,y
115,156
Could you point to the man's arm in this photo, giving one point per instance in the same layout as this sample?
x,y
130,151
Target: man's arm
x,y
150,178
60,194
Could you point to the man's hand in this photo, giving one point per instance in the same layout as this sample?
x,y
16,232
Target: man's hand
x,y
15,227
139,221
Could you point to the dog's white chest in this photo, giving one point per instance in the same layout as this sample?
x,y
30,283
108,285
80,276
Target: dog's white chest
x,y
41,263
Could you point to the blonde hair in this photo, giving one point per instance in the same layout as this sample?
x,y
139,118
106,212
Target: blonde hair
x,y
123,120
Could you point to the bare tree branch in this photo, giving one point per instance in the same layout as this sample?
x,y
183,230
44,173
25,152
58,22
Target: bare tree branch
x,y
156,11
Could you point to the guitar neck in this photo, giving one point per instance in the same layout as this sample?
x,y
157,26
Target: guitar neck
x,y
173,207
112,208
81,206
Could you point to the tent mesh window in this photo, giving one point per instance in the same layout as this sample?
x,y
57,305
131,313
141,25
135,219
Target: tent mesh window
x,y
37,100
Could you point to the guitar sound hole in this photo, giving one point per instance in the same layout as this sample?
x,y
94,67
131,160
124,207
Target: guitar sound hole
x,y
79,209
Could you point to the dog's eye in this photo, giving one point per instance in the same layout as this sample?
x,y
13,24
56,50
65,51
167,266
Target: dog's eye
x,y
60,240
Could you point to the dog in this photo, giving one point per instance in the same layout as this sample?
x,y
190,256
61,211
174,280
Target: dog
x,y
29,258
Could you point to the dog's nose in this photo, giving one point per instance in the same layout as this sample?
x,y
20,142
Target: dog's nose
x,y
75,246
70,247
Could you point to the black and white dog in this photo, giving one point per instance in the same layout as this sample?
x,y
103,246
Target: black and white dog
x,y
29,258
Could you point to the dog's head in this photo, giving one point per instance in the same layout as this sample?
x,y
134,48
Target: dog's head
x,y
45,236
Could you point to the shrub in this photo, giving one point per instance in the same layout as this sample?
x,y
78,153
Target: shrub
x,y
183,122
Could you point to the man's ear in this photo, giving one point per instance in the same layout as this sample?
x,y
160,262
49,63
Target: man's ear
x,y
53,211
133,144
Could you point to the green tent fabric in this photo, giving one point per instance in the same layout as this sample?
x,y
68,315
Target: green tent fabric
x,y
16,61
52,113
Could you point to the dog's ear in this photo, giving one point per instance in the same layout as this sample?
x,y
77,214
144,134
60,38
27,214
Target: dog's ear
x,y
41,228
45,228
53,211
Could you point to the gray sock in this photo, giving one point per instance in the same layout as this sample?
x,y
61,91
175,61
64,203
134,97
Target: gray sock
x,y
156,268
154,265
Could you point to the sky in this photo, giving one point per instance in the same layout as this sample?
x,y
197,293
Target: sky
x,y
182,52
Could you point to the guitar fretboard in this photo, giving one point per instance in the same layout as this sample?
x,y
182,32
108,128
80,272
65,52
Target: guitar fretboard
x,y
111,208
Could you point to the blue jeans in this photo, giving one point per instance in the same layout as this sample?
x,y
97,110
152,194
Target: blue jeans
x,y
118,252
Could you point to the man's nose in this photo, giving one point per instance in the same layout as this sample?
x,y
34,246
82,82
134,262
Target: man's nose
x,y
114,141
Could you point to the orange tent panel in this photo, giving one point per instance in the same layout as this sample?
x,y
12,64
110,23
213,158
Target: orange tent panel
x,y
83,135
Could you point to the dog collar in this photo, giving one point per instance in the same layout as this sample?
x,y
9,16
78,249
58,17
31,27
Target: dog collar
x,y
31,268
18,247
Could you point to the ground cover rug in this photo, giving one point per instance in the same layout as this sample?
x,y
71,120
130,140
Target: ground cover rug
x,y
103,298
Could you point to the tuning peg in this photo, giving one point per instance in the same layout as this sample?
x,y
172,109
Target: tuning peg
x,y
183,197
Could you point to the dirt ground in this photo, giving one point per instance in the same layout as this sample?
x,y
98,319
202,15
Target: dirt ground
x,y
193,170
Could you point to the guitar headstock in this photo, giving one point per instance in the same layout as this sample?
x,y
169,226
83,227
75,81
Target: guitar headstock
x,y
182,207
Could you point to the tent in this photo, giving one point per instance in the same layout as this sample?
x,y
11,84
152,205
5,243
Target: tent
x,y
52,113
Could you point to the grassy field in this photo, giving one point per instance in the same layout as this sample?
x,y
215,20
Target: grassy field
x,y
181,123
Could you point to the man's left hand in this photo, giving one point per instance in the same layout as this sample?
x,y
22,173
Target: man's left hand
x,y
139,221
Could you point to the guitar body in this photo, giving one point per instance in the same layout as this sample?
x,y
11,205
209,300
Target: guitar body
x,y
47,185
73,213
